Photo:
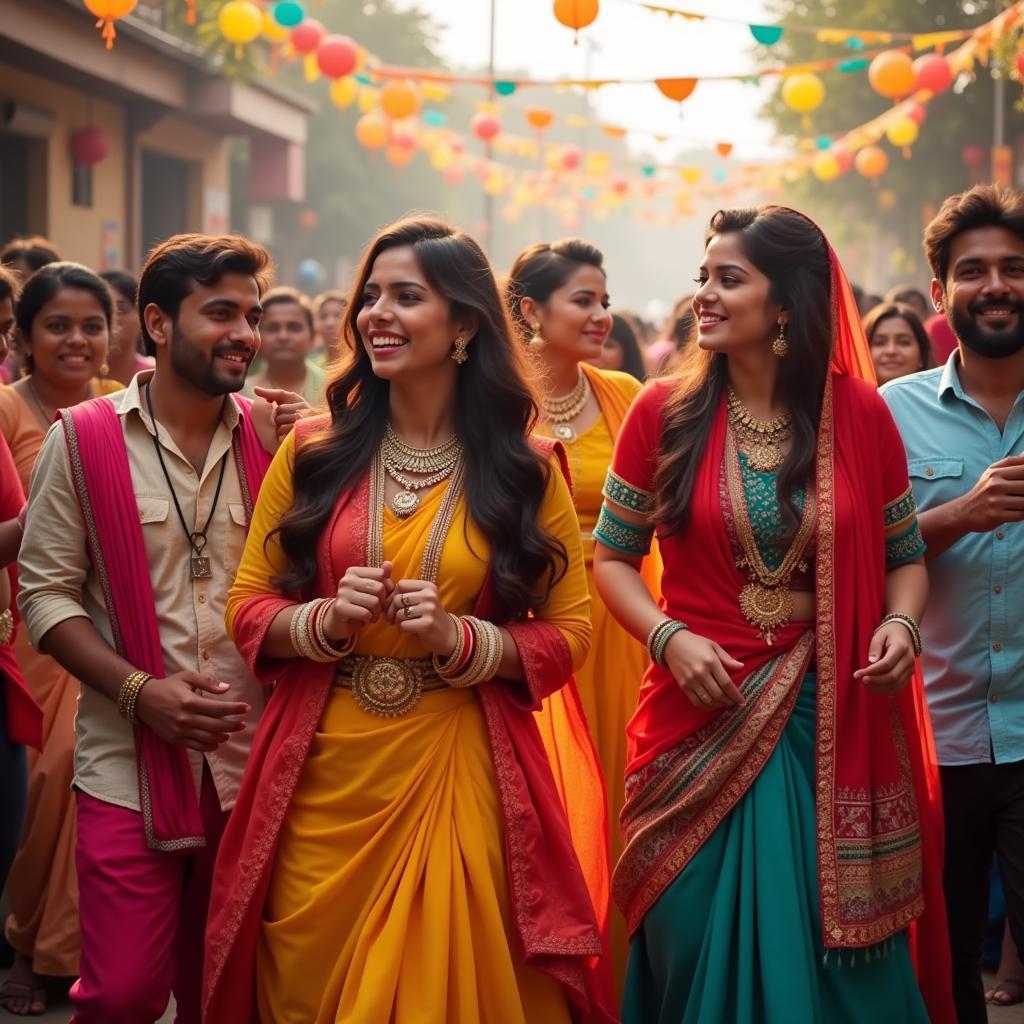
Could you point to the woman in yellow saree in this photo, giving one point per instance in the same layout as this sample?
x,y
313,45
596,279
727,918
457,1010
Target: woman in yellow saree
x,y
414,587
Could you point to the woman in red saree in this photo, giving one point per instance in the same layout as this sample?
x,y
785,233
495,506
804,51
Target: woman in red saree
x,y
779,825
414,587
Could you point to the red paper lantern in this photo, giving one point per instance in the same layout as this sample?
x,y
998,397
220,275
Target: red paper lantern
x,y
1018,62
336,55
306,37
89,145
974,157
917,112
932,71
843,157
571,158
486,127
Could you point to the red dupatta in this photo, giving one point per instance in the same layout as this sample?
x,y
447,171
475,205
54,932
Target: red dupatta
x,y
103,484
879,832
549,883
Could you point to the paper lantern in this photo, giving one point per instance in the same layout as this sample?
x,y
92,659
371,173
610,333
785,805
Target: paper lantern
x,y
871,162
974,157
539,118
576,14
1018,63
826,167
368,99
453,176
691,175
240,22
399,156
288,14
399,99
932,71
343,91
723,149
311,272
677,89
336,56
571,158
843,157
917,112
902,132
766,35
485,127
891,74
106,13
597,164
306,37
620,186
803,92
442,158
372,131
89,145
271,30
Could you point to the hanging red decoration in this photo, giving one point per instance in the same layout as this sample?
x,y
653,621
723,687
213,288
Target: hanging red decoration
x,y
336,55
974,156
306,37
486,127
89,145
932,71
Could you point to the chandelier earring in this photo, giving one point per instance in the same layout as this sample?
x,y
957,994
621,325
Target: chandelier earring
x,y
459,353
536,339
780,346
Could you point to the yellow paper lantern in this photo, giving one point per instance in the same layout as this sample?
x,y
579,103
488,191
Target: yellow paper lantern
x,y
494,185
597,164
343,91
273,32
372,131
826,167
891,74
368,98
803,92
434,92
871,162
106,13
399,99
240,22
902,132
442,157
691,175
576,14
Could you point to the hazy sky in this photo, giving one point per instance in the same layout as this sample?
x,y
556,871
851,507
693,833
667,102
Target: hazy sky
x,y
625,41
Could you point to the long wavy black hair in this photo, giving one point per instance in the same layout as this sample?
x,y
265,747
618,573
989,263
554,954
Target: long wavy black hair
x,y
494,411
792,253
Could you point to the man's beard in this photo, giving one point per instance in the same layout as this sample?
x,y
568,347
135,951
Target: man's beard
x,y
197,366
986,341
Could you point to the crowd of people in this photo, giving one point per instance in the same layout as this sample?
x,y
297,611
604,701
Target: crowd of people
x,y
461,650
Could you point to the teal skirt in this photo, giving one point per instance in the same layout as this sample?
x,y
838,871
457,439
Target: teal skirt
x,y
736,937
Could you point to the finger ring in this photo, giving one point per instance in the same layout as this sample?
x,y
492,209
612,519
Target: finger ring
x,y
703,696
408,613
405,601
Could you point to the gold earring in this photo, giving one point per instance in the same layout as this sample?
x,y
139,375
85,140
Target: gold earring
x,y
536,339
104,368
459,353
780,346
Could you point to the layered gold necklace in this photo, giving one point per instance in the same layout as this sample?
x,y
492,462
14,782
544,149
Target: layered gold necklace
x,y
762,441
559,412
432,464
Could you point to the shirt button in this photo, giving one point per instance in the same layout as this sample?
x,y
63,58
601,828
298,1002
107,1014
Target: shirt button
x,y
202,599
998,589
929,471
997,646
1000,535
206,655
994,698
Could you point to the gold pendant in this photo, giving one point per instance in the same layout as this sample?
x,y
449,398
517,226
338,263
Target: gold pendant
x,y
388,687
564,432
765,458
201,569
768,608
404,503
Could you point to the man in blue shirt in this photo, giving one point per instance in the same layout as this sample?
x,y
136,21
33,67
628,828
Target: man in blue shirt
x,y
963,427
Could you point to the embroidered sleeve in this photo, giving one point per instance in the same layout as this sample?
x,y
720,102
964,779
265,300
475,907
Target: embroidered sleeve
x,y
903,540
625,494
619,535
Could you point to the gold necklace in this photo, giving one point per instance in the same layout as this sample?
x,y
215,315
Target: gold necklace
x,y
559,411
398,458
766,601
762,440
39,402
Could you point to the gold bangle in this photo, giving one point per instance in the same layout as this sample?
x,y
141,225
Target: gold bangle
x,y
327,648
443,666
7,626
128,694
912,626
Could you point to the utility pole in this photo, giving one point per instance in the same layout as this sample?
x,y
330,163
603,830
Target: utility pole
x,y
489,148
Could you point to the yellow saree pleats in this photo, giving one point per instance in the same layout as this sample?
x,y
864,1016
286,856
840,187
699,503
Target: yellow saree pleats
x,y
389,891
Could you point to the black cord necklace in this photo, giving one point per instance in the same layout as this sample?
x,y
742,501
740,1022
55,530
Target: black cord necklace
x,y
200,565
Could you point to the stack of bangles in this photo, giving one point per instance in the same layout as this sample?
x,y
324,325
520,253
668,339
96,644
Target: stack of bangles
x,y
477,655
128,695
658,638
906,620
308,636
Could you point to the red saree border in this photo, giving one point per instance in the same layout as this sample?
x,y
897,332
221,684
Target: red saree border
x,y
664,830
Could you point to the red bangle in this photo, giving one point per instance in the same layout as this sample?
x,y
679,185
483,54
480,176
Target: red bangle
x,y
467,647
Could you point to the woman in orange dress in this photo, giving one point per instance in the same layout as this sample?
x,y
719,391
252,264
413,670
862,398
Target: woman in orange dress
x,y
64,319
558,296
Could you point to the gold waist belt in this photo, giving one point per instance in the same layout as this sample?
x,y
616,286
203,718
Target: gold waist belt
x,y
387,686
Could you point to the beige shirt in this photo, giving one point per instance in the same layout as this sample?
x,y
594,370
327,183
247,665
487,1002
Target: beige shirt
x,y
57,583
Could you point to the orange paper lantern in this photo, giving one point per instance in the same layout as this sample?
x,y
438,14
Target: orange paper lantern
x,y
107,12
891,74
399,156
399,99
539,118
871,162
576,14
372,131
677,89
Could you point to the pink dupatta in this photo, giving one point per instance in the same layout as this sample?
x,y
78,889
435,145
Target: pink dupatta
x,y
103,484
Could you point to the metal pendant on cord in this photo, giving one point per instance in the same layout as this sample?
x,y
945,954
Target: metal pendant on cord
x,y
197,539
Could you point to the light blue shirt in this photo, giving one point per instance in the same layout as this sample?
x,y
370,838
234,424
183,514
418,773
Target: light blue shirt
x,y
973,630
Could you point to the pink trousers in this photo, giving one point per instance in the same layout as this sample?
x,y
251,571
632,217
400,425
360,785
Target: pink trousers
x,y
143,915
